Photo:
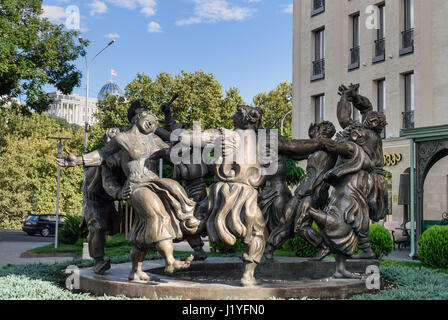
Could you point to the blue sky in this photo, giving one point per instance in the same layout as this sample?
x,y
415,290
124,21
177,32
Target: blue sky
x,y
244,43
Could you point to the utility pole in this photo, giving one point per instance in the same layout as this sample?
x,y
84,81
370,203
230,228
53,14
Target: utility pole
x,y
58,187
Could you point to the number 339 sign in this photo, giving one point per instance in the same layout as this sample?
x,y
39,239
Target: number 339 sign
x,y
391,160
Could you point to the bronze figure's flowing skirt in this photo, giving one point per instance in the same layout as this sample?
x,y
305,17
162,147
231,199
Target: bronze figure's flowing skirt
x,y
234,212
163,212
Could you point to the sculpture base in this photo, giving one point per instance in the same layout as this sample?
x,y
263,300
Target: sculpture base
x,y
219,278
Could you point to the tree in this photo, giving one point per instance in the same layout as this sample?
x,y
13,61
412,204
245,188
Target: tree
x,y
201,99
276,106
35,52
28,172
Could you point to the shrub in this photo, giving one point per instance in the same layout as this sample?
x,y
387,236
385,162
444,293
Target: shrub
x,y
433,247
380,240
224,248
300,247
71,232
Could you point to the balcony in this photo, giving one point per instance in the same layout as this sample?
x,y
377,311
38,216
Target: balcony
x,y
354,58
379,53
318,7
407,42
408,120
318,71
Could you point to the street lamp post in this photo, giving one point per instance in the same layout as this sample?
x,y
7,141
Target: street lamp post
x,y
88,65
86,115
60,138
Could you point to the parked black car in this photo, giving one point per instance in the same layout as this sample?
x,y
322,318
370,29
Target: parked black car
x,y
44,224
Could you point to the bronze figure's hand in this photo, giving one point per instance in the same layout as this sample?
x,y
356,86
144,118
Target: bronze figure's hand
x,y
125,192
68,161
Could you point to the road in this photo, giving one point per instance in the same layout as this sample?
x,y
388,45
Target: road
x,y
20,236
13,243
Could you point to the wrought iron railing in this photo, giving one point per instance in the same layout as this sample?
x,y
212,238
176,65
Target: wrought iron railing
x,y
408,39
319,68
408,120
380,48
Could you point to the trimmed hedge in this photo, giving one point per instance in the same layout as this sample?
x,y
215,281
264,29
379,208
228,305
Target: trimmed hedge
x,y
224,248
70,233
433,247
380,240
300,247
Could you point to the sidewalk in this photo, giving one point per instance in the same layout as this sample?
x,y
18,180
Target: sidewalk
x,y
10,254
401,255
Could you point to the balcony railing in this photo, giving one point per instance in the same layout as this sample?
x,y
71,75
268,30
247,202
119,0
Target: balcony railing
x,y
318,7
318,70
408,120
354,58
379,53
407,42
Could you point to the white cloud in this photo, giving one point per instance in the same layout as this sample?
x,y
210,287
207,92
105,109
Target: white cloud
x,y
112,35
147,7
211,11
253,1
154,27
289,8
98,7
129,4
148,11
55,14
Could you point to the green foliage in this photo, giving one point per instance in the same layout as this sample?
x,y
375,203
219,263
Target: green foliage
x,y
276,106
300,247
201,98
414,284
224,248
28,171
70,233
295,174
380,240
433,247
35,52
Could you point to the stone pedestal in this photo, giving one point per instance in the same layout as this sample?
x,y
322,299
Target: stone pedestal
x,y
218,278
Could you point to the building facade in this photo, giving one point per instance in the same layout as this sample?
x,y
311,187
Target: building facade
x,y
395,50
73,107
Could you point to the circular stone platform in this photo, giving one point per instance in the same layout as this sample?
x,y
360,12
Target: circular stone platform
x,y
218,278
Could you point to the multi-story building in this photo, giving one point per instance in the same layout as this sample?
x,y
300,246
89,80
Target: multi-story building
x,y
396,51
73,107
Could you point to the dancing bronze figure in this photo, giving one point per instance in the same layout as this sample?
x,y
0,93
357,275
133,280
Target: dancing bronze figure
x,y
163,210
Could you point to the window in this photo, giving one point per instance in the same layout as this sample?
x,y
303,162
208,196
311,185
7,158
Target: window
x,y
380,42
409,107
319,55
354,50
318,7
408,33
381,100
319,108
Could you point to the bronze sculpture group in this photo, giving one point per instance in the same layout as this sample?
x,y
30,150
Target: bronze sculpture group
x,y
235,207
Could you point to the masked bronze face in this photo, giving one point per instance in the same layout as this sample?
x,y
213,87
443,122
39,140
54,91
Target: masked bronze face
x,y
375,121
